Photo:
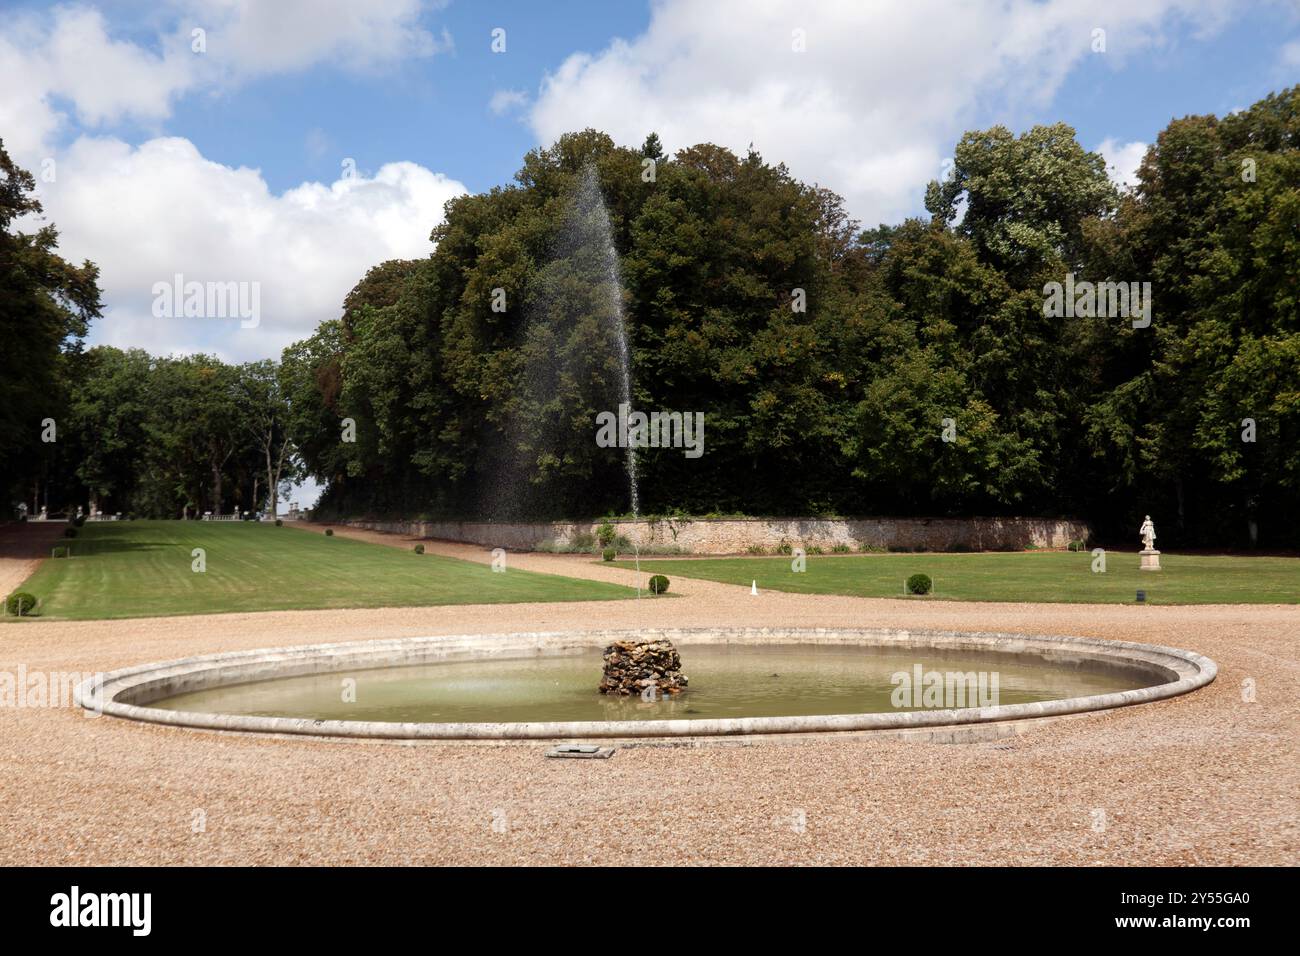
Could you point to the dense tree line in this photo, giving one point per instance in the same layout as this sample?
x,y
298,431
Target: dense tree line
x,y
908,330
905,369
120,431
169,437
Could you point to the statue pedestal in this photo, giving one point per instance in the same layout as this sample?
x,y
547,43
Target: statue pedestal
x,y
1150,559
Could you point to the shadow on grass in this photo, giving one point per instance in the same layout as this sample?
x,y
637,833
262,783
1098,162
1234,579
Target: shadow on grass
x,y
88,547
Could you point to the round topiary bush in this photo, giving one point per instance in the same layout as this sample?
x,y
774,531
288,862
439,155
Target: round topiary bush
x,y
919,584
418,549
658,584
329,532
69,532
605,534
60,552
279,522
609,554
20,603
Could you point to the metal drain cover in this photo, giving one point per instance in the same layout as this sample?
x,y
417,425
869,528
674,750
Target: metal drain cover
x,y
581,751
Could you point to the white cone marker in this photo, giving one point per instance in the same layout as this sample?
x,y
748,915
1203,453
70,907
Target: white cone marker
x,y
753,589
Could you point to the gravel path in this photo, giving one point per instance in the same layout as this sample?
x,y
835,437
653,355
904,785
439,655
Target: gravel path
x,y
22,549
1207,778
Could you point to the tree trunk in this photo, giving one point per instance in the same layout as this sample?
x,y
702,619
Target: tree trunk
x,y
216,490
272,486
275,493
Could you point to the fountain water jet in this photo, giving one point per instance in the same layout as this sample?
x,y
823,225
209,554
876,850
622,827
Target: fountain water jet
x,y
590,208
575,353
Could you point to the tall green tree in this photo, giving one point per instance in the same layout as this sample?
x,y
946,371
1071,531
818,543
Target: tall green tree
x,y
263,409
46,306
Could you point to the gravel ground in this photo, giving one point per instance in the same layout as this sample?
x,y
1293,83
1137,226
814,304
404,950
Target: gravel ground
x,y
1207,778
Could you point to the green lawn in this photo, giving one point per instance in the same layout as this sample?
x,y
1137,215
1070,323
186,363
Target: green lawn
x,y
143,569
1029,576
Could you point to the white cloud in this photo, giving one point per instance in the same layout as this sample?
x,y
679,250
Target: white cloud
x,y
873,104
507,101
254,37
1289,58
71,55
144,214
1122,160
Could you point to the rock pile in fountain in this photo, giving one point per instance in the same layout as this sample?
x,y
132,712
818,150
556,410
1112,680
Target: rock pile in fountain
x,y
634,667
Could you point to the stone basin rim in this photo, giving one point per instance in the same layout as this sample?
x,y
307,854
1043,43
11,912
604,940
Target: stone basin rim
x,y
122,693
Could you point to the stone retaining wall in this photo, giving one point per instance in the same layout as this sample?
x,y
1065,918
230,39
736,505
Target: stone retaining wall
x,y
739,535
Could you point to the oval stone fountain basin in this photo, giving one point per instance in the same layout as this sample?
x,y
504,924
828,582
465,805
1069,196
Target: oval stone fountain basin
x,y
742,681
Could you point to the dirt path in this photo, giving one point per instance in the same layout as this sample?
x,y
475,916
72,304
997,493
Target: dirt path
x,y
570,565
1208,778
23,546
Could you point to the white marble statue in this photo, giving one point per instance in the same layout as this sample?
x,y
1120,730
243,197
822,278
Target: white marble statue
x,y
1148,532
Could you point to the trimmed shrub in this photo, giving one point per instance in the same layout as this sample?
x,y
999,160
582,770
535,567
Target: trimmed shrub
x,y
20,603
279,522
69,532
658,584
329,532
1076,545
418,549
60,552
78,521
785,547
605,534
841,548
815,549
609,554
919,584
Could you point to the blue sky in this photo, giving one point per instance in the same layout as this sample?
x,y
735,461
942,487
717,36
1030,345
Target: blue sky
x,y
435,112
